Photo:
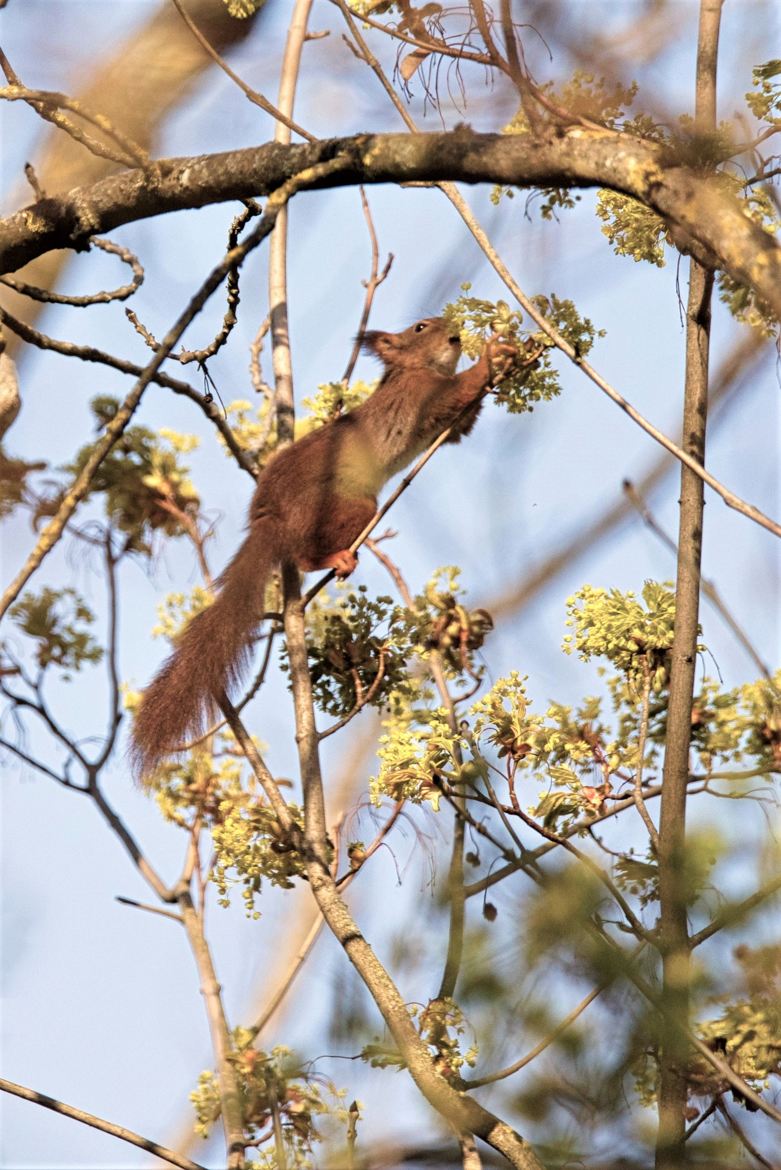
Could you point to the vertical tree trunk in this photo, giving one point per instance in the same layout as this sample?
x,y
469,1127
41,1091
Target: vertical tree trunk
x,y
674,934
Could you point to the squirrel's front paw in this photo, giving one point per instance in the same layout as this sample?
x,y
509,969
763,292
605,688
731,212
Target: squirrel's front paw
x,y
502,359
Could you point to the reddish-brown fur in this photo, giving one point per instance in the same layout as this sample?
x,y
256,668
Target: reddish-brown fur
x,y
311,502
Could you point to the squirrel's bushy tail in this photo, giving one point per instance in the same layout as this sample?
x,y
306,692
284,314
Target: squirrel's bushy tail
x,y
210,657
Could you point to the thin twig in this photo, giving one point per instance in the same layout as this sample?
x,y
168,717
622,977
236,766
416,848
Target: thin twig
x,y
743,1137
45,296
637,786
708,588
256,762
40,708
229,320
520,79
32,179
115,709
91,788
301,955
391,500
733,1079
687,460
625,966
48,104
634,922
736,912
118,1131
362,699
366,54
371,285
357,865
249,694
39,765
517,1065
253,95
727,380
118,826
188,356
432,44
706,1113
149,909
453,194
652,792
259,384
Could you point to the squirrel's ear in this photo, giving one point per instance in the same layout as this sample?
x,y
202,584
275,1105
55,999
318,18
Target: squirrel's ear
x,y
374,341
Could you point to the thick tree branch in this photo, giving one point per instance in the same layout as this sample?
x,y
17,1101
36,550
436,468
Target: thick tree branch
x,y
694,204
670,844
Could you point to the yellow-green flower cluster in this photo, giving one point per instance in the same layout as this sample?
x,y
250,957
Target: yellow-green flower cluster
x,y
519,393
415,749
272,1090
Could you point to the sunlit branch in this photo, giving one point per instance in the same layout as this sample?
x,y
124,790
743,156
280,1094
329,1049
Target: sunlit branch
x,y
118,1131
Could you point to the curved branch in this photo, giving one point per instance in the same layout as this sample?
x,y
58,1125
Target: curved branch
x,y
49,104
103,297
552,1036
689,201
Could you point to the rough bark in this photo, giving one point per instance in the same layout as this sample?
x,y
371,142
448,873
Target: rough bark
x,y
696,206
673,901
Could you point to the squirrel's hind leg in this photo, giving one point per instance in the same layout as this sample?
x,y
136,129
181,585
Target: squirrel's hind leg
x,y
342,562
328,547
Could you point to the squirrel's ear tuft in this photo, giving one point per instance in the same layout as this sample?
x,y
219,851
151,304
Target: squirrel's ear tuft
x,y
373,341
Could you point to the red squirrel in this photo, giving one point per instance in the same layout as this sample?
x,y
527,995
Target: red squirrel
x,y
312,500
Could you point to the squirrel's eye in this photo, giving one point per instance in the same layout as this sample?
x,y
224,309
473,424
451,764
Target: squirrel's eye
x,y
421,325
